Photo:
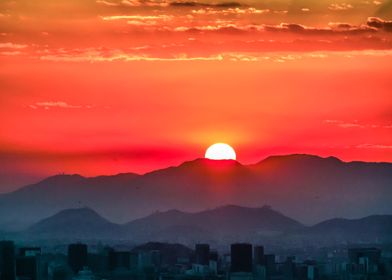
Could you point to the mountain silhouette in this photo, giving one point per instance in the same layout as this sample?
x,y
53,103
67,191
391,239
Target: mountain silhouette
x,y
220,226
308,187
372,229
229,221
80,223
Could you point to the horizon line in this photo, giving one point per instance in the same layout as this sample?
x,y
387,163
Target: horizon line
x,y
193,160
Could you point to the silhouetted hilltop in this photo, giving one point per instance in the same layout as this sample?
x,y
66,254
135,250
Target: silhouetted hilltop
x,y
372,229
227,221
376,224
222,225
294,184
82,223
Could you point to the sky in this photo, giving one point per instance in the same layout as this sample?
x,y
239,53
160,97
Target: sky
x,y
111,86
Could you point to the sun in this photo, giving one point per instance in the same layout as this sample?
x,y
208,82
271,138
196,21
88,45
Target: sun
x,y
220,151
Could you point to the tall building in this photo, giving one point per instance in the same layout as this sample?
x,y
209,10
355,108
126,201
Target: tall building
x,y
213,262
365,260
77,256
27,267
270,265
289,268
120,260
7,260
373,254
241,257
258,255
202,252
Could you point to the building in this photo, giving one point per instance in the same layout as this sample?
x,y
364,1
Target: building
x,y
202,254
258,255
7,260
364,260
120,260
149,259
241,257
84,274
213,262
270,265
241,261
77,256
27,268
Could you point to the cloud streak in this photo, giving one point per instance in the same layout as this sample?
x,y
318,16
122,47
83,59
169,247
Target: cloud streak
x,y
355,124
10,45
374,146
47,105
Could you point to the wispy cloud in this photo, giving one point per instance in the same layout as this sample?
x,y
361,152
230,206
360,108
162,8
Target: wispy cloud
x,y
355,124
340,7
230,11
57,104
138,17
373,146
133,3
10,45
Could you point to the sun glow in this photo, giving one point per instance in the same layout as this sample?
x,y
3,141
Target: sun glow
x,y
220,151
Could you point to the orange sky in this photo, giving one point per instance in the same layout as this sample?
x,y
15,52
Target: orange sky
x,y
102,87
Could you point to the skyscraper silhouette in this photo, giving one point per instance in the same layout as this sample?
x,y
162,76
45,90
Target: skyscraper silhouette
x,y
241,257
77,256
7,260
202,254
258,255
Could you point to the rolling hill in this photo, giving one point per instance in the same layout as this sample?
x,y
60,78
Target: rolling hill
x,y
220,226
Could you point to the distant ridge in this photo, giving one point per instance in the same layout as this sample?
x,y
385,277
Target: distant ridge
x,y
221,225
82,223
292,183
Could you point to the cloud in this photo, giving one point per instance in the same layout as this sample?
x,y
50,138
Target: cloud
x,y
230,11
97,56
11,53
166,3
340,7
213,5
355,124
138,17
133,3
331,29
142,20
107,3
373,146
380,23
56,104
177,53
10,45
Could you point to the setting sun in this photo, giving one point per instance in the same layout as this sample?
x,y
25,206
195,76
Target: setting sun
x,y
220,151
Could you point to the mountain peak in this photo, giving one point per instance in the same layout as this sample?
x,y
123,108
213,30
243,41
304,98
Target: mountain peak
x,y
211,163
300,157
63,178
82,213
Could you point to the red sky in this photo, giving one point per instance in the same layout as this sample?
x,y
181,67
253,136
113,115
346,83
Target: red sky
x,y
102,87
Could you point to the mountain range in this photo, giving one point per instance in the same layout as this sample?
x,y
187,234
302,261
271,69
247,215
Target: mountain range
x,y
310,188
219,226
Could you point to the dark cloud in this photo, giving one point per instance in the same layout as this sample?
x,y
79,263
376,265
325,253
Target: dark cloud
x,y
380,23
212,5
332,29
